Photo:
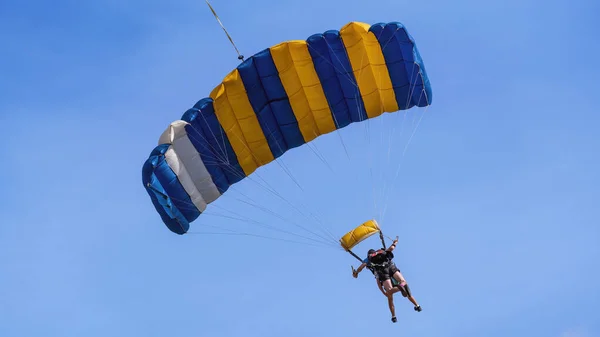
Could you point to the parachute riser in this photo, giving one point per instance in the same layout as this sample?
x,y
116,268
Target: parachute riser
x,y
356,256
382,239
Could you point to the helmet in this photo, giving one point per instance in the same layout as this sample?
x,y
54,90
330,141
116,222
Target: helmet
x,y
370,253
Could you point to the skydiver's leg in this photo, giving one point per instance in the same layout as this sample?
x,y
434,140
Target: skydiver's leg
x,y
392,308
397,275
387,286
403,287
385,276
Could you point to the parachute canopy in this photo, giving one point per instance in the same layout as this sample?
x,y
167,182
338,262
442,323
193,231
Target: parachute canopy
x,y
359,234
276,100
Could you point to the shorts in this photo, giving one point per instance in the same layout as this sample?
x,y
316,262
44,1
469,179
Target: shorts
x,y
387,274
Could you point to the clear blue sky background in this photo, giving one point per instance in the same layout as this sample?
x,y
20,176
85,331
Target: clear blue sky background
x,y
496,204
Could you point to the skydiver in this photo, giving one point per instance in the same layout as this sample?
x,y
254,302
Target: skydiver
x,y
383,267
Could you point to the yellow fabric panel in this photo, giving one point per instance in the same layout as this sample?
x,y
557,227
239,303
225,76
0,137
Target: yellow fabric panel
x,y
303,88
358,234
369,68
236,116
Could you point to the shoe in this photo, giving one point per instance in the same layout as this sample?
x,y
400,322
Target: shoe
x,y
418,308
394,319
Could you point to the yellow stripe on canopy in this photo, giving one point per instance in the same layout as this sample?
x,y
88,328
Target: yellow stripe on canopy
x,y
370,69
236,116
303,88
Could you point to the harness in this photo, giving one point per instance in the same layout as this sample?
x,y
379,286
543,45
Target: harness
x,y
377,268
374,266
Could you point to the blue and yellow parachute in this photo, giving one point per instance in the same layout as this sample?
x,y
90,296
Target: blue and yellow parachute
x,y
276,100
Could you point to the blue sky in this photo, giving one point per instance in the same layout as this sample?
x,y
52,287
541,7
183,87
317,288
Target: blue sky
x,y
495,203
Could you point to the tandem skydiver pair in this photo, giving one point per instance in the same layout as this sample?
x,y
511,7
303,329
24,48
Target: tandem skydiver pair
x,y
380,262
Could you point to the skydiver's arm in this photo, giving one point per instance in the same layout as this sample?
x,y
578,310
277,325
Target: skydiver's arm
x,y
393,245
360,268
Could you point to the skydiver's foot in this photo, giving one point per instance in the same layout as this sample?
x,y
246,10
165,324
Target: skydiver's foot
x,y
394,319
418,308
